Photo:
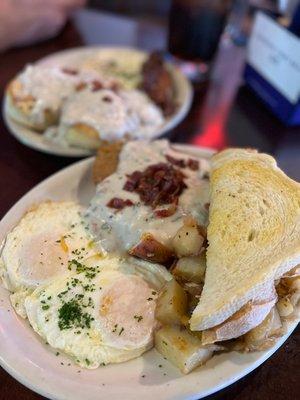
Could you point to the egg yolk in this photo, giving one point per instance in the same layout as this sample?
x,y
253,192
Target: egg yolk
x,y
127,311
42,257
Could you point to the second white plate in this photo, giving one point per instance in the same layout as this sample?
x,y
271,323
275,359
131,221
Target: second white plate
x,y
74,57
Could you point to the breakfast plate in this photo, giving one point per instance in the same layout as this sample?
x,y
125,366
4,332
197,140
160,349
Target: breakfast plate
x,y
89,59
40,368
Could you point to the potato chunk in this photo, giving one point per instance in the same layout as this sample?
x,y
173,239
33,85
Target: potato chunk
x,y
191,269
285,307
188,241
181,348
263,336
151,250
172,303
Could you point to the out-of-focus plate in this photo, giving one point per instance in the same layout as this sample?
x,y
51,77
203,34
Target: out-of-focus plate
x,y
30,361
78,57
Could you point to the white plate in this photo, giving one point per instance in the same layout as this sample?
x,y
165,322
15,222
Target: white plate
x,y
75,57
35,365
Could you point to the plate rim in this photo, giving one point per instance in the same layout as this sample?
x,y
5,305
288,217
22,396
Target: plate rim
x,y
266,355
13,371
15,129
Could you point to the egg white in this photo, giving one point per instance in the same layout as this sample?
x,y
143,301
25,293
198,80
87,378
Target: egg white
x,y
39,248
111,304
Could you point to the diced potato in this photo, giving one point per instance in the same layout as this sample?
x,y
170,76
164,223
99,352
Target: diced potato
x,y
172,304
151,250
262,336
181,348
191,269
192,288
193,291
285,307
295,300
188,241
295,285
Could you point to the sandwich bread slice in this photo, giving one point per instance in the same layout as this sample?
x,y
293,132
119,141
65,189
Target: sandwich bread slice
x,y
254,241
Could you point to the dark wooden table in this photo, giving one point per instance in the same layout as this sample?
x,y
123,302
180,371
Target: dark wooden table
x,y
224,113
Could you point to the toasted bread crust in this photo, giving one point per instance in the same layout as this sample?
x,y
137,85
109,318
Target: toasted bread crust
x,y
107,160
253,233
83,136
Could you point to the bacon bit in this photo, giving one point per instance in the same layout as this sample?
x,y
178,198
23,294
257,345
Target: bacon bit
x,y
81,86
176,161
192,164
119,204
70,71
181,163
133,181
96,85
158,184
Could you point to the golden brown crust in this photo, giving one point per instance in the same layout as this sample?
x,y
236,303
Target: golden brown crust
x,y
83,136
253,233
20,108
150,249
107,160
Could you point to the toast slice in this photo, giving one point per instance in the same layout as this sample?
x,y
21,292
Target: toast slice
x,y
107,160
253,234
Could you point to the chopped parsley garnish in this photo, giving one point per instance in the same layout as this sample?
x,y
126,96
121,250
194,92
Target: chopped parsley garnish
x,y
90,272
61,294
121,331
149,299
45,307
138,318
89,288
71,315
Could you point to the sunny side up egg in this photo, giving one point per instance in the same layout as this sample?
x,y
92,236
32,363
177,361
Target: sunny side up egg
x,y
40,248
103,313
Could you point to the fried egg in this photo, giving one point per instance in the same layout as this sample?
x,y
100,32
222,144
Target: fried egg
x,y
104,312
40,247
